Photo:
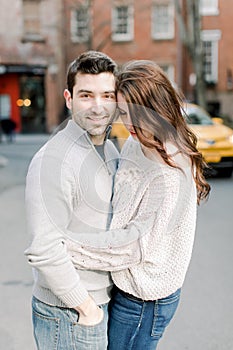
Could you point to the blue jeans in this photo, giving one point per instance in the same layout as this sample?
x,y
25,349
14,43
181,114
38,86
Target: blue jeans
x,y
57,328
137,325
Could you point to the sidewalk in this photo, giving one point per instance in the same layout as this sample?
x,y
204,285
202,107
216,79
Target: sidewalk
x,y
31,138
15,274
21,139
3,161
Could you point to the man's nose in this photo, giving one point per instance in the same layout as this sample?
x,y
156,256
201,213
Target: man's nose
x,y
97,106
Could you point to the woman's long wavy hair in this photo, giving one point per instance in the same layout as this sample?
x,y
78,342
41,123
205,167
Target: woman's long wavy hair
x,y
155,105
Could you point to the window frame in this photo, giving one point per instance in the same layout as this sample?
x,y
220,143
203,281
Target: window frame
x,y
170,34
169,69
210,9
129,35
5,106
212,36
75,38
33,16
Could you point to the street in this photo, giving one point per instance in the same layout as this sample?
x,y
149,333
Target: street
x,y
204,317
15,274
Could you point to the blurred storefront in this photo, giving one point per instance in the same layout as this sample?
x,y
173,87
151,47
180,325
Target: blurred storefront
x,y
22,97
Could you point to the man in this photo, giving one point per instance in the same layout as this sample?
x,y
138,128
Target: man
x,y
68,190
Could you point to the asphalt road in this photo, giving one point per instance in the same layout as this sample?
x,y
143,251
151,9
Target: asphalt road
x,y
204,318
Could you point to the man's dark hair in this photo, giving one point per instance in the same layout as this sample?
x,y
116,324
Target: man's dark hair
x,y
89,62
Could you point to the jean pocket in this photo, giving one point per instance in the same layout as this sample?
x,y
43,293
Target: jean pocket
x,y
73,315
82,322
46,327
164,310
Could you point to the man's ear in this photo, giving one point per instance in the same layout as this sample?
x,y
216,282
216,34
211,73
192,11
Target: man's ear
x,y
68,98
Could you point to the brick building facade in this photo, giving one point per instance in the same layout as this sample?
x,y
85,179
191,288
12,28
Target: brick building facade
x,y
31,63
38,39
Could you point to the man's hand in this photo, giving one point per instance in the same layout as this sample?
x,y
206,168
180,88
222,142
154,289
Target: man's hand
x,y
90,314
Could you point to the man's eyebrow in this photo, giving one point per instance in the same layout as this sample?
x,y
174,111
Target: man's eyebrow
x,y
84,90
104,92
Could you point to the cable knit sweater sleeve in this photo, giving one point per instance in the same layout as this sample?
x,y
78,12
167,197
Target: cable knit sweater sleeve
x,y
119,247
140,195
47,253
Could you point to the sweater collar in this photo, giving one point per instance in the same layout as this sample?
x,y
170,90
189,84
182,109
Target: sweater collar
x,y
81,136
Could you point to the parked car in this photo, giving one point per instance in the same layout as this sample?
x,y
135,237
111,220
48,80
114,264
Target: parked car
x,y
215,140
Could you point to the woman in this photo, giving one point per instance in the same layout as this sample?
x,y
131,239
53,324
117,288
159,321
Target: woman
x,y
158,184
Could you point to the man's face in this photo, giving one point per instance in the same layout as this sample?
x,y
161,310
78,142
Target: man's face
x,y
93,103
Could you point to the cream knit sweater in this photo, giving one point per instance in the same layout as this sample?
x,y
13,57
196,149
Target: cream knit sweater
x,y
149,246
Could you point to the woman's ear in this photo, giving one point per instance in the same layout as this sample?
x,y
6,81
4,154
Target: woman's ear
x,y
68,98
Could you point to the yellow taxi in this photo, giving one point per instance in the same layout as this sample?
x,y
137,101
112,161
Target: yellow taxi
x,y
215,140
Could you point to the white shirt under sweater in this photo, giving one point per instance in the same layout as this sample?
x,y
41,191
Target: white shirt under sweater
x,y
158,203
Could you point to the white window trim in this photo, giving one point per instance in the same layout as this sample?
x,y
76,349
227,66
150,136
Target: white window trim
x,y
73,24
170,71
124,36
214,36
212,10
168,35
5,106
211,35
31,35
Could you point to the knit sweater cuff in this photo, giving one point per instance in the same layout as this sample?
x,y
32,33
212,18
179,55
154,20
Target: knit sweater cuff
x,y
75,297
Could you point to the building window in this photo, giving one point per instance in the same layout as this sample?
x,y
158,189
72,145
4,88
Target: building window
x,y
80,25
122,23
163,21
5,106
210,40
31,20
209,7
169,70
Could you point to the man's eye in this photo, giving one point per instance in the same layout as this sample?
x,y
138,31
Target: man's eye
x,y
84,96
110,96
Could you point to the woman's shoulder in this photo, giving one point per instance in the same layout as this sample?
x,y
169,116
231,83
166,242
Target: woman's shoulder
x,y
130,145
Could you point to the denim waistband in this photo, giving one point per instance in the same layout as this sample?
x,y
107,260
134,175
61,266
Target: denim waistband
x,y
131,296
